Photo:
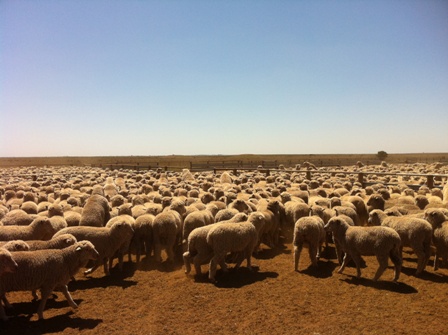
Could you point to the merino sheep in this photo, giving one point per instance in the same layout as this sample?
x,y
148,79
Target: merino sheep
x,y
194,220
107,241
166,228
414,232
376,201
439,223
382,242
308,230
46,270
57,242
40,229
143,237
95,212
238,237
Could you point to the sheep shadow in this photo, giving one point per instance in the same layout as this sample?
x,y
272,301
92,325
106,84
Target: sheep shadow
x,y
270,253
237,278
324,269
29,308
425,275
398,287
23,324
116,279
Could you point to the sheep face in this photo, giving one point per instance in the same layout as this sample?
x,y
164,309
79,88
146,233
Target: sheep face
x,y
333,224
7,262
435,217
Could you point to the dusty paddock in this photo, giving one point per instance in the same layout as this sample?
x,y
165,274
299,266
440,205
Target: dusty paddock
x,y
150,299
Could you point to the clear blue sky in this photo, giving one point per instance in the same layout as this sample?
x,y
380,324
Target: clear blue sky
x,y
102,78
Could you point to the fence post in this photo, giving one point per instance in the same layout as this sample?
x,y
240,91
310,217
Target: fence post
x,y
308,174
361,179
430,182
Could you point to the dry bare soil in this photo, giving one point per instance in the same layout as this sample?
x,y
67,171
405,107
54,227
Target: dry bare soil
x,y
274,299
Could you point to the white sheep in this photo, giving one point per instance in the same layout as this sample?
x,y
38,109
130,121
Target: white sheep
x,y
46,270
439,223
40,229
382,242
241,237
107,241
414,232
308,230
7,263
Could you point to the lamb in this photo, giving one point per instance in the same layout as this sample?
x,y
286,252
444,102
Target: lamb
x,y
40,229
95,212
46,270
238,237
439,223
382,242
414,233
107,241
310,230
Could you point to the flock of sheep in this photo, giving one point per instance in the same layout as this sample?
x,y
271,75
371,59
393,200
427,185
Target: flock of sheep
x,y
57,221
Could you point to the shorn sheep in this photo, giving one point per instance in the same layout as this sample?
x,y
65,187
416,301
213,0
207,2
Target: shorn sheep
x,y
439,223
382,242
46,270
414,233
308,230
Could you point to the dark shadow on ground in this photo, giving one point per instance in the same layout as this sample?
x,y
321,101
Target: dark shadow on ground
x,y
21,324
384,285
240,277
324,269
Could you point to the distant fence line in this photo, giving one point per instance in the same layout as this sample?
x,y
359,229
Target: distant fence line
x,y
266,167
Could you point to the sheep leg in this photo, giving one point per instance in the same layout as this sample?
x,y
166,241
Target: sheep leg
x,y
158,252
436,261
5,301
106,267
2,313
187,262
357,259
421,260
339,251
297,251
64,290
45,293
313,252
216,259
345,261
398,261
382,260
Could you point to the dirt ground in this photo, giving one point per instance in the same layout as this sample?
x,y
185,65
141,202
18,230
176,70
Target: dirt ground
x,y
274,299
